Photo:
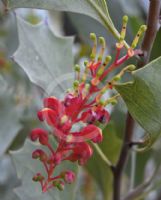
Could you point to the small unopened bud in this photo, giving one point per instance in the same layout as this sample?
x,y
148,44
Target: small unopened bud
x,y
40,134
77,68
39,154
131,67
59,184
93,36
76,84
38,177
102,41
94,39
108,59
125,19
141,30
92,56
99,57
117,78
85,62
123,31
68,176
87,86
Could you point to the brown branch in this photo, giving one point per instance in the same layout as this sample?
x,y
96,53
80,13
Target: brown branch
x,y
147,44
152,28
118,170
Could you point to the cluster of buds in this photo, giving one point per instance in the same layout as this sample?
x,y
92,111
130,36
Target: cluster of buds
x,y
83,105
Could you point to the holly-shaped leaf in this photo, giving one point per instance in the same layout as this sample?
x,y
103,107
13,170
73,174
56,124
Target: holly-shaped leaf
x,y
26,167
143,97
47,59
96,9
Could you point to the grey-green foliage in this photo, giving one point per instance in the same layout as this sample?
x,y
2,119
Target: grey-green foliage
x,y
96,9
143,97
10,115
8,179
47,59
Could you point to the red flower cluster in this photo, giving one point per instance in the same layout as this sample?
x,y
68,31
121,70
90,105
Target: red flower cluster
x,y
72,146
82,105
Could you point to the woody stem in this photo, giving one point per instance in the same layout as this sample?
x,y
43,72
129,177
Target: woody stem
x,y
148,41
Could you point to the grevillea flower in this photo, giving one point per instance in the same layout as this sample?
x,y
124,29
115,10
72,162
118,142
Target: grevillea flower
x,y
84,103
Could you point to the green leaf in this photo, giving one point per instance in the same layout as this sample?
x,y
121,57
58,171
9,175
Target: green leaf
x,y
143,97
98,168
96,9
47,59
26,167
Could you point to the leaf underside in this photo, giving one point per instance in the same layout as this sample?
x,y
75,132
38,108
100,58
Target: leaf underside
x,y
47,59
96,9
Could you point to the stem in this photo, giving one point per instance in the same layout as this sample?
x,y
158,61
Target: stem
x,y
152,28
133,168
107,21
114,65
102,155
147,44
51,149
118,170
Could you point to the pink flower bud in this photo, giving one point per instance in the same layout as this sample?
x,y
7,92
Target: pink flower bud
x,y
98,137
69,177
81,153
40,134
38,178
48,115
39,154
54,104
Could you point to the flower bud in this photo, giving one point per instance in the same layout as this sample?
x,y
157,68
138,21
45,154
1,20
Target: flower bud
x,y
38,177
59,184
77,68
131,67
40,134
93,36
117,78
141,30
98,137
68,176
76,84
39,154
48,115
